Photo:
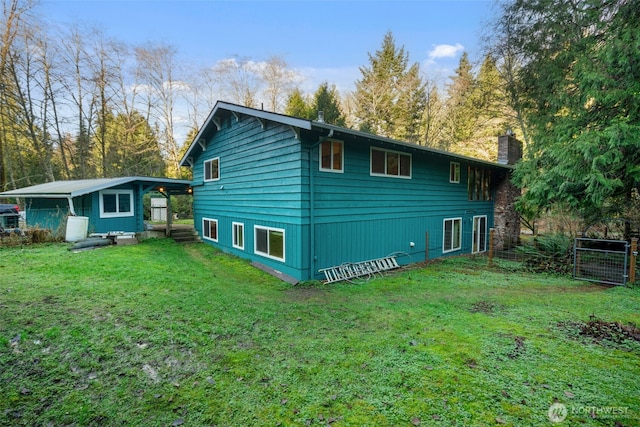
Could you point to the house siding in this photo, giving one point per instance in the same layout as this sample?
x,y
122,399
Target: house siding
x,y
270,176
260,184
359,216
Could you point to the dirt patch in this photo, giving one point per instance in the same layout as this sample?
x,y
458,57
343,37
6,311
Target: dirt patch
x,y
519,349
605,333
486,307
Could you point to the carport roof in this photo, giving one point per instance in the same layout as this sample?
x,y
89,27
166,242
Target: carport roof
x,y
75,188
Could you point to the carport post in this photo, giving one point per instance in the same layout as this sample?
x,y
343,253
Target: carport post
x,y
169,215
633,259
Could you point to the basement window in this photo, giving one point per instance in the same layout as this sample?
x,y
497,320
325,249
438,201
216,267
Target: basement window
x,y
212,169
210,229
238,235
452,235
116,203
269,242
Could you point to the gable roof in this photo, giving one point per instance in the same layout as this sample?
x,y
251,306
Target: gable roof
x,y
75,188
212,124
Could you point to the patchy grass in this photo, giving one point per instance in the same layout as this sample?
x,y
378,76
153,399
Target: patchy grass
x,y
163,334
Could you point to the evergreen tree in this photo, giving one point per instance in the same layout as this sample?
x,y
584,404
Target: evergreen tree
x,y
327,100
297,106
132,146
460,107
390,96
581,92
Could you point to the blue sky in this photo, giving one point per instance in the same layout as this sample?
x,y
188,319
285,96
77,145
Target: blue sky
x,y
325,40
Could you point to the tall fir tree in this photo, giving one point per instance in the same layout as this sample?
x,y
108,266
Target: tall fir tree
x,y
297,106
390,96
460,114
580,90
327,100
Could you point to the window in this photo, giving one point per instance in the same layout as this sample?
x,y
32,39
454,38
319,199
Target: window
x,y
454,172
331,156
452,235
116,203
269,242
238,235
479,184
390,163
210,229
212,169
479,243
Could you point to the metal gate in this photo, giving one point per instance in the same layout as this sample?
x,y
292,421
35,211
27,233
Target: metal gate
x,y
603,261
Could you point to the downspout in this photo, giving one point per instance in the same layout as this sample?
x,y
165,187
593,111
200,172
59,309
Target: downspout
x,y
72,211
312,216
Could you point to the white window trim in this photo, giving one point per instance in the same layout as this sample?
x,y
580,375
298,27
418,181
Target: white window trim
x,y
204,168
385,163
455,165
444,222
104,214
266,255
233,235
217,229
341,154
473,236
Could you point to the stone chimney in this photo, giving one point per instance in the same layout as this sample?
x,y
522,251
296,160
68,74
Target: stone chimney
x,y
506,219
509,149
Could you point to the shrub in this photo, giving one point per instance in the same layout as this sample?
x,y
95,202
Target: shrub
x,y
550,253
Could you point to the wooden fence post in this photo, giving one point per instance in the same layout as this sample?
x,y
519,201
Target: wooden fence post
x,y
426,246
633,259
491,230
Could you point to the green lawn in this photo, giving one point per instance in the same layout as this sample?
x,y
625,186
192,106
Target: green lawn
x,y
161,334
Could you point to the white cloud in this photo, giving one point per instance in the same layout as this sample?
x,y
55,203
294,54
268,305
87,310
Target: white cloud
x,y
445,51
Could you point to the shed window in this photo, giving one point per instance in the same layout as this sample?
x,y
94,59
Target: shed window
x,y
452,235
390,163
212,169
454,172
331,156
269,242
210,229
116,203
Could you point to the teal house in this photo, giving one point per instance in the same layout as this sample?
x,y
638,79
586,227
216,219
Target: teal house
x,y
106,204
296,196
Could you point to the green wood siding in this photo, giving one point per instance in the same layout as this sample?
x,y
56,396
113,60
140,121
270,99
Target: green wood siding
x,y
265,180
359,216
260,184
53,213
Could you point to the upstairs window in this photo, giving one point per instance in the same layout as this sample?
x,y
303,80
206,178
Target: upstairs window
x,y
479,184
390,163
454,172
332,156
212,169
116,203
